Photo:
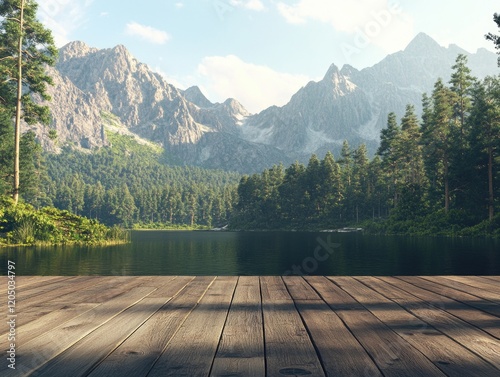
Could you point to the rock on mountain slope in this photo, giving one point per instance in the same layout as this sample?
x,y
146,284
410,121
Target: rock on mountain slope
x,y
353,105
90,83
75,115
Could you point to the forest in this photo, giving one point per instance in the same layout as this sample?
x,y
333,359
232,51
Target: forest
x,y
435,175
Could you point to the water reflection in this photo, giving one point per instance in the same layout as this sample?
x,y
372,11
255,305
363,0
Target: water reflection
x,y
263,253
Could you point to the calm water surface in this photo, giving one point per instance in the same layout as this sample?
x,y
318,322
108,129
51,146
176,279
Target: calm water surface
x,y
263,253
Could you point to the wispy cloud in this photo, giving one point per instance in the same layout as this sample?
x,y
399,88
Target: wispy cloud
x,y
255,5
147,33
381,22
255,86
63,17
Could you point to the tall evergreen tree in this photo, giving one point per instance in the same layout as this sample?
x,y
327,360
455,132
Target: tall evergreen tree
x,y
413,178
331,191
461,84
389,152
359,187
486,133
438,138
495,38
26,48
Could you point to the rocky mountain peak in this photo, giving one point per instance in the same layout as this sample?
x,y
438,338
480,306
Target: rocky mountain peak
x,y
348,71
234,104
423,45
75,49
332,73
194,94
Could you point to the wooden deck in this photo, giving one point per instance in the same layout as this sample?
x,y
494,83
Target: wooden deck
x,y
255,326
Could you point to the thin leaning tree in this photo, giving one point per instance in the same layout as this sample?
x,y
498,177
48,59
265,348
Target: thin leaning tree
x,y
26,48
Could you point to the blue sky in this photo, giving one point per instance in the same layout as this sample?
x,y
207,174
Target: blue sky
x,y
262,51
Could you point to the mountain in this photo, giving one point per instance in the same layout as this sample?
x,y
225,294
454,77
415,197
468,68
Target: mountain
x,y
353,105
98,91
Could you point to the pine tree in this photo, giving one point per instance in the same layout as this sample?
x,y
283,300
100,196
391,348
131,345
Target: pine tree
x,y
26,48
359,186
413,178
292,193
410,147
461,83
389,152
331,191
438,138
495,38
486,133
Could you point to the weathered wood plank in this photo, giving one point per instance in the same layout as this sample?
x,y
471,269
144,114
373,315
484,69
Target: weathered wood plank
x,y
476,282
111,326
452,358
466,298
496,279
487,322
288,346
462,332
392,354
339,350
241,348
50,286
487,279
37,352
192,349
28,282
84,355
42,294
138,353
45,323
93,294
485,295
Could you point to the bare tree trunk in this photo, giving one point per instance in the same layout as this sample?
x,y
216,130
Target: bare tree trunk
x,y
17,132
490,183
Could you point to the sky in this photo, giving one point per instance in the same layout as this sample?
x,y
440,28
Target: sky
x,y
262,51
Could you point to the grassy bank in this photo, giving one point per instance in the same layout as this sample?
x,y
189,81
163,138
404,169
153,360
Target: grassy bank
x,y
168,226
25,225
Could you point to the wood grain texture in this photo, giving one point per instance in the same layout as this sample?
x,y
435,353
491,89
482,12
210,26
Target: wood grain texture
x,y
464,297
192,349
288,346
257,326
461,331
392,354
452,358
241,348
339,350
137,354
35,353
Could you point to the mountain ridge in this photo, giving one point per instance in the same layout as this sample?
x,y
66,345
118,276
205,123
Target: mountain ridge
x,y
347,104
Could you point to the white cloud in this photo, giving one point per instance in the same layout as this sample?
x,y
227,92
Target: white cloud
x,y
256,87
179,5
255,5
381,22
148,33
63,17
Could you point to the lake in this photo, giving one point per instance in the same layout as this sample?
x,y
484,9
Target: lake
x,y
263,253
